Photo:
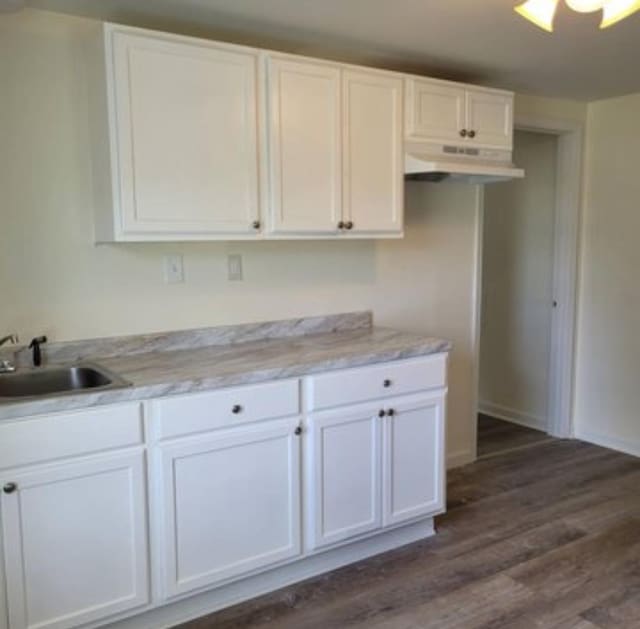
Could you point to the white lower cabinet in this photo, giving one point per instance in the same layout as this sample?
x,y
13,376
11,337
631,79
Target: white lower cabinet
x,y
231,504
413,458
344,452
234,475
375,466
75,541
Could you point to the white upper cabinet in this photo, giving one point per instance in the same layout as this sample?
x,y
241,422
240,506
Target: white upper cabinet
x,y
200,140
444,112
304,131
185,131
490,117
435,110
373,155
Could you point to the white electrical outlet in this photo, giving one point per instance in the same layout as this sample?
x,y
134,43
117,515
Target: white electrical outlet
x,y
234,267
173,269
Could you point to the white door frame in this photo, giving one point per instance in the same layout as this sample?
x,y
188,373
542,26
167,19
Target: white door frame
x,y
565,272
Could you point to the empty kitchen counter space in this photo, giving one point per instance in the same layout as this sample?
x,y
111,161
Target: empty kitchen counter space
x,y
161,365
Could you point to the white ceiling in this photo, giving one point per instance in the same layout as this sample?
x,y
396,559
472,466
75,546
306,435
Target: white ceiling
x,y
481,41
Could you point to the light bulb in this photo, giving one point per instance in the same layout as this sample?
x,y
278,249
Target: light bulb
x,y
540,12
616,10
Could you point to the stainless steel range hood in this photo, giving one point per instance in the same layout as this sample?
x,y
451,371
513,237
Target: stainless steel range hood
x,y
428,162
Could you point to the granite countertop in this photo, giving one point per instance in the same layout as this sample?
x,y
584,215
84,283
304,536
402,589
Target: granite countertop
x,y
203,360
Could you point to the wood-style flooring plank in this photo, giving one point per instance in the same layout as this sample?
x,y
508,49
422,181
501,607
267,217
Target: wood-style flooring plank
x,y
543,538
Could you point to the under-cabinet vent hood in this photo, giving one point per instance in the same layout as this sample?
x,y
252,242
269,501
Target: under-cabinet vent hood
x,y
432,162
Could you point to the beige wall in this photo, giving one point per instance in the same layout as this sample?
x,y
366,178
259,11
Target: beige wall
x,y
517,285
607,407
551,108
54,280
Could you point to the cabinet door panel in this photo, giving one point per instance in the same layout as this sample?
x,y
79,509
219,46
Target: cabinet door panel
x,y
75,539
345,451
305,146
413,447
435,111
490,115
187,136
232,505
373,152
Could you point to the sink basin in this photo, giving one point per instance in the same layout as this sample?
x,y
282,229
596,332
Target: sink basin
x,y
57,380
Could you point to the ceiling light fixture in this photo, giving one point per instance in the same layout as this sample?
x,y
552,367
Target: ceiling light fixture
x,y
542,12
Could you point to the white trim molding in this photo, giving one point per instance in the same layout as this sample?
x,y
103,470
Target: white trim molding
x,y
607,441
565,268
565,272
460,458
512,415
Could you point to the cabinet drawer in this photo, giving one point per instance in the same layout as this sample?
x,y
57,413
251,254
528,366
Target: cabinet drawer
x,y
379,381
60,435
188,414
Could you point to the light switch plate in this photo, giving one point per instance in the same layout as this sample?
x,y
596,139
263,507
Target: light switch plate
x,y
173,269
234,266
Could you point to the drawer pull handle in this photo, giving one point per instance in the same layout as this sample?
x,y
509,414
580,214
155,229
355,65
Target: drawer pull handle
x,y
381,413
387,383
236,409
9,488
391,412
298,431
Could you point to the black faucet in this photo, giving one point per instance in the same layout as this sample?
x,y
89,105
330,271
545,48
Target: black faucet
x,y
37,352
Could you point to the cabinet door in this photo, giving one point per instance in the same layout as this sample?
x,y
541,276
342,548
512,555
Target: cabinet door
x,y
373,152
413,454
306,168
435,111
75,540
231,505
490,116
345,475
186,129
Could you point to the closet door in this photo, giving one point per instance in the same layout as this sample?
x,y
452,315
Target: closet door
x,y
305,133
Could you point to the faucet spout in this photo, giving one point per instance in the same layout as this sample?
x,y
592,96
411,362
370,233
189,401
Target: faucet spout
x,y
10,338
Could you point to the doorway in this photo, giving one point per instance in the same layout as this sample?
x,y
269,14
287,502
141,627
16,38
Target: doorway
x,y
516,319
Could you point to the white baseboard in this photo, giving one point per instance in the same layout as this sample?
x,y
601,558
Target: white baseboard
x,y
512,415
608,441
460,458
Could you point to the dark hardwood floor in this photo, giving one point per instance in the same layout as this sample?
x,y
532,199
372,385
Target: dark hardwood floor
x,y
544,537
497,436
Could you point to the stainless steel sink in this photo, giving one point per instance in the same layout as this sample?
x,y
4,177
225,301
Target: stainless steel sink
x,y
58,381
